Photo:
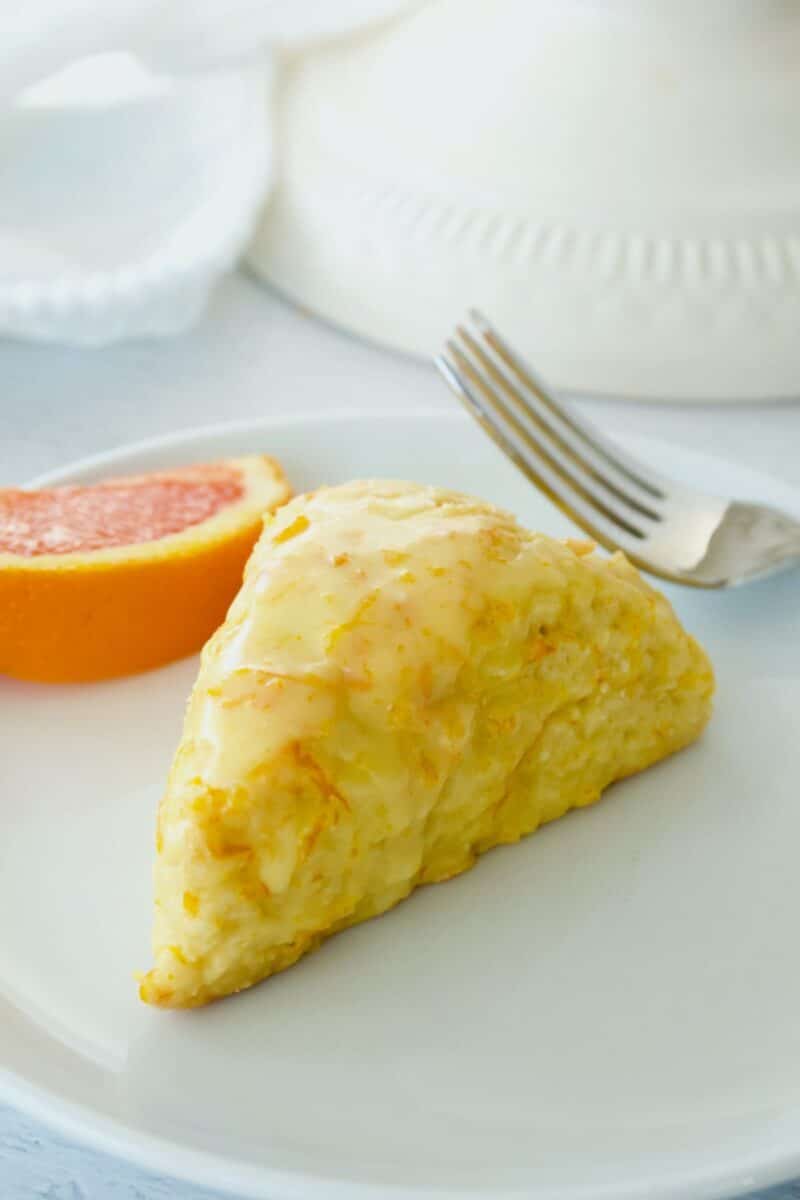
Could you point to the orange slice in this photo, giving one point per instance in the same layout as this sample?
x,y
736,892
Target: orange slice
x,y
120,576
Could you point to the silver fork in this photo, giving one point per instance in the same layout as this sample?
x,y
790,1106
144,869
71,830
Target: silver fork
x,y
668,530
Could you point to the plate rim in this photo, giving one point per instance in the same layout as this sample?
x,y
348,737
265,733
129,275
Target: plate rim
x,y
757,1168
786,491
178,437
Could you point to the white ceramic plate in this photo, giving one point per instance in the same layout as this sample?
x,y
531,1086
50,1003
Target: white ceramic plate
x,y
609,1009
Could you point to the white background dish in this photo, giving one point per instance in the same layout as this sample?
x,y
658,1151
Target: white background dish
x,y
595,175
608,1009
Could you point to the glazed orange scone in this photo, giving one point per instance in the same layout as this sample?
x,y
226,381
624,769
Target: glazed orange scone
x,y
406,679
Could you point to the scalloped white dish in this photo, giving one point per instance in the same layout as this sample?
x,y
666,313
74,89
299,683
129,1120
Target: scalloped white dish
x,y
614,184
606,1011
125,197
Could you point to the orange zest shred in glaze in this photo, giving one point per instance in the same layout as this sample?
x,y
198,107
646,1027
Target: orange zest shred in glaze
x,y
298,526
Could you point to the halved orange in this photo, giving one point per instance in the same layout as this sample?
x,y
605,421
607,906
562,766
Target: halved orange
x,y
120,576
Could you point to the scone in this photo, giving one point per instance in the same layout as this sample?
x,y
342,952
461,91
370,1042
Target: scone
x,y
406,679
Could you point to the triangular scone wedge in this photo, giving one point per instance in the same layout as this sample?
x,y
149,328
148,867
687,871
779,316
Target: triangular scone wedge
x,y
406,678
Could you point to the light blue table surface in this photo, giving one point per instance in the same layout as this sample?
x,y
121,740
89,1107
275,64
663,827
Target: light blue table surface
x,y
250,356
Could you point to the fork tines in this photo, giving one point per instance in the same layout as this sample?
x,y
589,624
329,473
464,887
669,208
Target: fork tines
x,y
591,480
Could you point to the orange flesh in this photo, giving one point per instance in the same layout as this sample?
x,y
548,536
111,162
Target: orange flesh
x,y
121,512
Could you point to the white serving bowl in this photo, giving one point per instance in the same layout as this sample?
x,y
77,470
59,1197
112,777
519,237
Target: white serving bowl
x,y
614,181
